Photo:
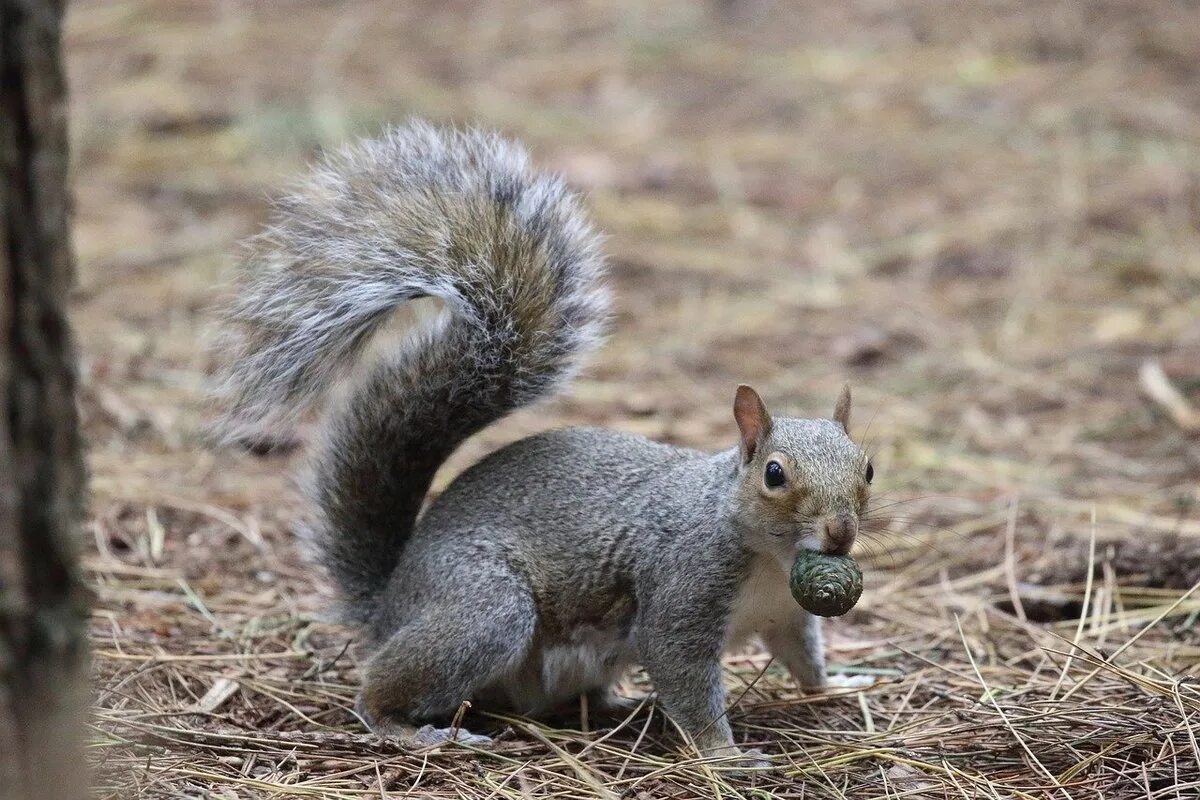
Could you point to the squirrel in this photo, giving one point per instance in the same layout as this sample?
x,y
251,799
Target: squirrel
x,y
547,569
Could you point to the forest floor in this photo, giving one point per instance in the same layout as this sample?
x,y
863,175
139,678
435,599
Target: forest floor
x,y
984,216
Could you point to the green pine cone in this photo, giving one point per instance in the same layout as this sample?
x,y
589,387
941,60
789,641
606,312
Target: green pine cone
x,y
826,585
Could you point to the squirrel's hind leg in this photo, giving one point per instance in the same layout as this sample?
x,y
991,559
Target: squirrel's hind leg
x,y
423,736
448,651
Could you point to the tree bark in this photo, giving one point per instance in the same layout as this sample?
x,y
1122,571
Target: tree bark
x,y
43,607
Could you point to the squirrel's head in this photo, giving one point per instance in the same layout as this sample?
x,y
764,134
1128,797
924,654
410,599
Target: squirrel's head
x,y
801,483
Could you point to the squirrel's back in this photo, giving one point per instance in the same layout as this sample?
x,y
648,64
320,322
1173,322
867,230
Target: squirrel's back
x,y
418,212
578,512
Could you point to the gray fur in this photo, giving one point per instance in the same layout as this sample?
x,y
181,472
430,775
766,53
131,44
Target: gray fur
x,y
459,216
549,567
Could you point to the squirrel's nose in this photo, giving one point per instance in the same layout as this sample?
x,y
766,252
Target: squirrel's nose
x,y
840,532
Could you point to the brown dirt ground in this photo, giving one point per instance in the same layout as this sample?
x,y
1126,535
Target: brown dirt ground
x,y
985,216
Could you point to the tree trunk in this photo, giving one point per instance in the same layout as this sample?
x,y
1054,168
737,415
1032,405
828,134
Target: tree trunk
x,y
42,603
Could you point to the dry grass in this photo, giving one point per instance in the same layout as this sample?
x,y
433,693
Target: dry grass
x,y
984,215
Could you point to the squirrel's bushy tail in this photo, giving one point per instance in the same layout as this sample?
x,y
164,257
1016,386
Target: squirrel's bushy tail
x,y
420,212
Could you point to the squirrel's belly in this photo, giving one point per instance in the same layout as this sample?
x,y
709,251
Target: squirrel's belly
x,y
557,672
594,659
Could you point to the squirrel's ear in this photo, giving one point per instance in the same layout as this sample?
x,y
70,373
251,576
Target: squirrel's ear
x,y
841,412
752,419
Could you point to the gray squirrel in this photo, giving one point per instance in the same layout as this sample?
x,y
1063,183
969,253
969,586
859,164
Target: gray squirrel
x,y
551,566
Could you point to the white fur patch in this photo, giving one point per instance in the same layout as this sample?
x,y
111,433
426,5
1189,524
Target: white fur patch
x,y
594,659
843,681
763,601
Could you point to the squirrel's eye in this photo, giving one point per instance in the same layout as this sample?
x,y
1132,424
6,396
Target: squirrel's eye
x,y
774,476
870,472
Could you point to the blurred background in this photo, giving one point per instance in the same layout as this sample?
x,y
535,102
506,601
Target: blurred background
x,y
983,215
